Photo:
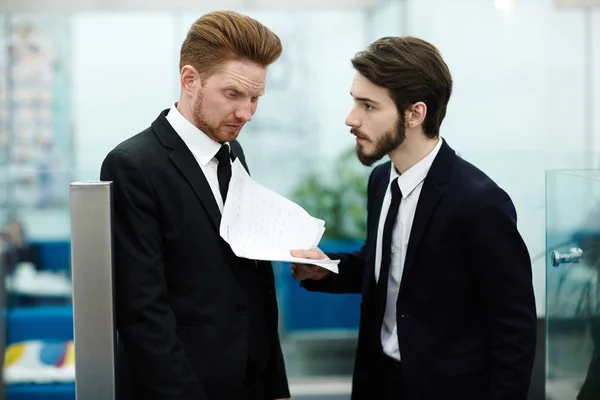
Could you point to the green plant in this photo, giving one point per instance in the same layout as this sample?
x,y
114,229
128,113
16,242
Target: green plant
x,y
341,201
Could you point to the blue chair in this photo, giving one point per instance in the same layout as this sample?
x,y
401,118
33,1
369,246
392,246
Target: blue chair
x,y
304,311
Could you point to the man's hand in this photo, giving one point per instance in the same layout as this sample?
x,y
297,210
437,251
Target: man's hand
x,y
301,272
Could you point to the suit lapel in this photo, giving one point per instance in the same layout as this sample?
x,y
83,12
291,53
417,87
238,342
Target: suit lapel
x,y
189,168
431,193
428,200
380,188
236,152
184,161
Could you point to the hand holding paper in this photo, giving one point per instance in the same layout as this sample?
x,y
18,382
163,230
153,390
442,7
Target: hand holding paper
x,y
263,225
302,271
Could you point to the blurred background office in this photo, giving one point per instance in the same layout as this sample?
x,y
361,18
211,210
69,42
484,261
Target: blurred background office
x,y
78,77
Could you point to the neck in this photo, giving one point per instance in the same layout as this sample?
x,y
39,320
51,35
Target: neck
x,y
414,148
185,108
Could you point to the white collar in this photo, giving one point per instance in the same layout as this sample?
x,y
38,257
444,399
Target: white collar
x,y
203,147
416,174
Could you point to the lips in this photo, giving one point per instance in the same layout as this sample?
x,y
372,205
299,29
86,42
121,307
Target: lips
x,y
358,136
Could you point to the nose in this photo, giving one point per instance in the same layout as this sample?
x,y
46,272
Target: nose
x,y
352,121
244,112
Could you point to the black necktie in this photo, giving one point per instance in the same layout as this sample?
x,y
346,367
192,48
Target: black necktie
x,y
223,170
386,247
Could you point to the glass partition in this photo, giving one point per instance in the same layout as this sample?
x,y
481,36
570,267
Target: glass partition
x,y
573,288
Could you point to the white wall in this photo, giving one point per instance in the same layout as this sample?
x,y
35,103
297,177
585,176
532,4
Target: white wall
x,y
388,18
72,6
517,109
518,104
124,74
124,77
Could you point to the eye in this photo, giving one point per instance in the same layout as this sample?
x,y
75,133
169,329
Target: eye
x,y
254,99
368,107
231,94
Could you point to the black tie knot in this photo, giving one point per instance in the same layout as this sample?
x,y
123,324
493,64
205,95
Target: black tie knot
x,y
223,170
396,193
223,155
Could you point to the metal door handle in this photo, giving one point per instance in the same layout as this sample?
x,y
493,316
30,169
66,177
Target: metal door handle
x,y
574,255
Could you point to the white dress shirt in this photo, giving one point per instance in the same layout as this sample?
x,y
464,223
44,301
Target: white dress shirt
x,y
411,183
202,147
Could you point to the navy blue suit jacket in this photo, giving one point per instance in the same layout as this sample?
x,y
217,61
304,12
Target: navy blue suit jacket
x,y
465,311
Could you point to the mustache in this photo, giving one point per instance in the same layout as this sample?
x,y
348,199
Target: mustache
x,y
358,133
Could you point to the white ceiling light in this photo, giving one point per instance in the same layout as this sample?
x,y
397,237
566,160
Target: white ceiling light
x,y
505,6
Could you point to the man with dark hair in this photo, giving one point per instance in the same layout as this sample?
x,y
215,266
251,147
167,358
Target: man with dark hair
x,y
448,310
195,322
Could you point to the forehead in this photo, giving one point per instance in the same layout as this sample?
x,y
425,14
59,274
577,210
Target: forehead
x,y
364,88
243,76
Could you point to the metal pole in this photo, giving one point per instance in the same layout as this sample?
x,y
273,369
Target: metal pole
x,y
93,306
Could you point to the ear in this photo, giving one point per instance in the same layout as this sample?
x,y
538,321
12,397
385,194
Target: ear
x,y
189,79
415,115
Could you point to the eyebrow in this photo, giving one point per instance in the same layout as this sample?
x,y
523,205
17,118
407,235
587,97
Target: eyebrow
x,y
241,91
365,99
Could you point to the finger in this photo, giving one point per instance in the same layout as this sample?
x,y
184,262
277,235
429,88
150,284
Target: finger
x,y
321,272
313,254
315,273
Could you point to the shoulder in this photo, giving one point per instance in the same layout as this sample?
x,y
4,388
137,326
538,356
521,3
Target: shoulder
x,y
482,193
140,152
380,173
138,146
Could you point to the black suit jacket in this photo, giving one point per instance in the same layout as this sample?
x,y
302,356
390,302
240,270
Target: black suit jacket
x,y
466,310
191,316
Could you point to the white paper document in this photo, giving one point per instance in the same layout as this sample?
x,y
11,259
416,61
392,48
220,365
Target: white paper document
x,y
260,224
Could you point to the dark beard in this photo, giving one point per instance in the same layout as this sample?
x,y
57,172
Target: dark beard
x,y
384,145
